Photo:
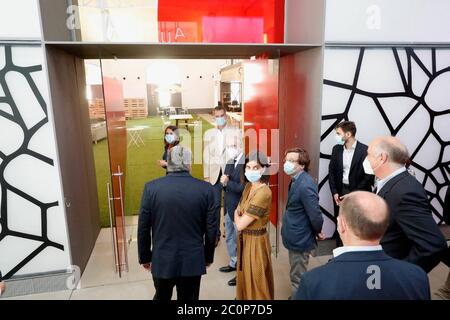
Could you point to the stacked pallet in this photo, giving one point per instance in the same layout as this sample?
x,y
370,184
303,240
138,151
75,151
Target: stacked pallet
x,y
96,109
135,108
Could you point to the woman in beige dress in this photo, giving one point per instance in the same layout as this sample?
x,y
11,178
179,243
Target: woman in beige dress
x,y
254,274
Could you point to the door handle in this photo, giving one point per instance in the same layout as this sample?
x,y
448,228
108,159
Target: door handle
x,y
119,174
111,224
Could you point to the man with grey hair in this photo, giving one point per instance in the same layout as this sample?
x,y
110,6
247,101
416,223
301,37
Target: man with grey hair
x,y
412,235
360,269
177,229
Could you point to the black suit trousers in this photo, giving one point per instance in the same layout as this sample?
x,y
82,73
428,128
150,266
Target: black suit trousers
x,y
188,288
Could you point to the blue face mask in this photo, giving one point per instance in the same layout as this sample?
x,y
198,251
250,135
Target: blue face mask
x,y
170,138
253,175
220,121
289,168
339,140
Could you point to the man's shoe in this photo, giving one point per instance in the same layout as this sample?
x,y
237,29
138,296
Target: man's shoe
x,y
227,269
232,282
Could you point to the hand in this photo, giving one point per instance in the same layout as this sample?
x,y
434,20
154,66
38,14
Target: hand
x,y
337,200
321,236
162,163
224,180
343,197
147,266
2,287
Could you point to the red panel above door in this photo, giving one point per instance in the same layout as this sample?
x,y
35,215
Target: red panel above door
x,y
221,21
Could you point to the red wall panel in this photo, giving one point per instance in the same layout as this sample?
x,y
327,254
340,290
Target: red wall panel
x,y
261,114
221,21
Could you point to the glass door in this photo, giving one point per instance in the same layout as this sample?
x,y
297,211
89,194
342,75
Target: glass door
x,y
117,145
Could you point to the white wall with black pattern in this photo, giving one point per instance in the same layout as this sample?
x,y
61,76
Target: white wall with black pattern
x,y
390,91
33,231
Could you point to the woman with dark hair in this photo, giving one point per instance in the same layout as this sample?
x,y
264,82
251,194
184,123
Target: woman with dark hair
x,y
171,139
254,276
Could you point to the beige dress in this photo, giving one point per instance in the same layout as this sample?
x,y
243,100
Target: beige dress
x,y
254,275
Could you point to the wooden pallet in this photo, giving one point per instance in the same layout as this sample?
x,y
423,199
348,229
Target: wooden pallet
x,y
96,109
135,108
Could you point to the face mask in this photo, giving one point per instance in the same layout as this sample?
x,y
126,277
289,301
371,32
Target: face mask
x,y
232,153
220,121
289,168
253,175
367,167
170,138
339,140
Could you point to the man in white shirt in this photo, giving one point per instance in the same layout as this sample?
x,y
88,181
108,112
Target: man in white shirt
x,y
346,173
360,269
214,153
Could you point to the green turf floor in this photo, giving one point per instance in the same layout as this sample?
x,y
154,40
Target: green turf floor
x,y
141,165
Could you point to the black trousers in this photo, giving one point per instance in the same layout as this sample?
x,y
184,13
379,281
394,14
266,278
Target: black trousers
x,y
345,190
188,288
217,188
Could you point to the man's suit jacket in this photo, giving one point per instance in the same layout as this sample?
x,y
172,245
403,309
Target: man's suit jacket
x,y
354,276
177,227
214,157
234,187
358,179
446,211
302,220
412,235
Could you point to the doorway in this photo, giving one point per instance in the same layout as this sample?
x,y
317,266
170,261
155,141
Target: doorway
x,y
131,103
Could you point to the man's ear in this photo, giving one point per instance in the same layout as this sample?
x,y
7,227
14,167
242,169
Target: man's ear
x,y
342,225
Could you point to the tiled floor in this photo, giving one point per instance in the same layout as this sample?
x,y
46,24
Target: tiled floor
x,y
100,282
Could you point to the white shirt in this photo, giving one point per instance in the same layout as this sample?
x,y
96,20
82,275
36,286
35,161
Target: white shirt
x,y
221,145
382,182
220,140
347,157
238,159
345,249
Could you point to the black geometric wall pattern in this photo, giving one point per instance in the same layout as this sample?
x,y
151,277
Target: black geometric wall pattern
x,y
390,91
33,237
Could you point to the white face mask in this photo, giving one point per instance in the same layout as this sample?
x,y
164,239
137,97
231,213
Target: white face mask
x,y
367,167
232,152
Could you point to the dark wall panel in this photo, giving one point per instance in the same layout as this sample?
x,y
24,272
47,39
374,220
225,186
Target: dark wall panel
x,y
72,124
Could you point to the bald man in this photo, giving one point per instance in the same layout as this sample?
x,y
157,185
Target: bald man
x,y
412,235
360,269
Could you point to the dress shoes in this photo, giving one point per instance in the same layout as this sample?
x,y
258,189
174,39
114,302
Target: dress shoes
x,y
227,269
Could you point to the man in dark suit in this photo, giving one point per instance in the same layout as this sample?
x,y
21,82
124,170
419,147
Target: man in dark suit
x,y
302,220
177,229
444,291
2,284
446,209
360,269
233,187
345,172
412,235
